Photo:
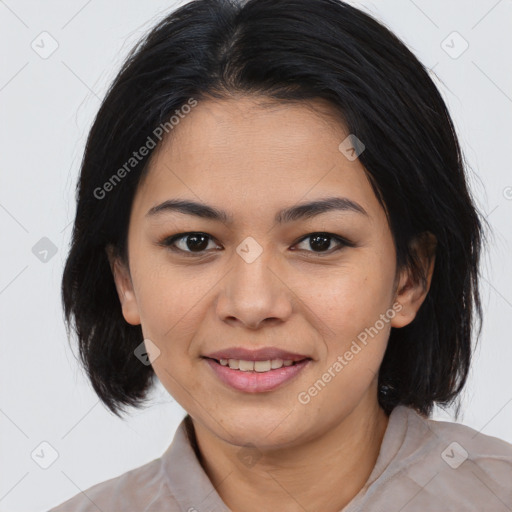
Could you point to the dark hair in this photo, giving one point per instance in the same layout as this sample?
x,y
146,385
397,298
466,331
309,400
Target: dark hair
x,y
285,50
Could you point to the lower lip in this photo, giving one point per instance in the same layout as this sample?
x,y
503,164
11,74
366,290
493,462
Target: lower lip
x,y
256,382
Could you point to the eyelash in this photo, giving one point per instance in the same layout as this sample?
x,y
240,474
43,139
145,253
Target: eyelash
x,y
168,243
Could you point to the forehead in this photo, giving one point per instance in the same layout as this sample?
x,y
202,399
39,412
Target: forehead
x,y
269,153
265,128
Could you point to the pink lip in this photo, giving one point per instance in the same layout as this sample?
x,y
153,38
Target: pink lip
x,y
261,354
256,382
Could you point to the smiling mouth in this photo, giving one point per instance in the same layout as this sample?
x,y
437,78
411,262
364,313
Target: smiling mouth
x,y
245,365
250,376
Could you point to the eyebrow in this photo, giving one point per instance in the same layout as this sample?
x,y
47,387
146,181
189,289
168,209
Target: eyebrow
x,y
294,213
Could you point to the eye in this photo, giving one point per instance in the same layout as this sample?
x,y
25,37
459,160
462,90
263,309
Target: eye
x,y
321,242
196,243
188,243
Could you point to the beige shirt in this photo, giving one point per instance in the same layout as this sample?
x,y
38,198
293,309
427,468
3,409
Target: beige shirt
x,y
423,465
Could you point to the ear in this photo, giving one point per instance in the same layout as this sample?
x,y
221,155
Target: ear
x,y
124,287
411,292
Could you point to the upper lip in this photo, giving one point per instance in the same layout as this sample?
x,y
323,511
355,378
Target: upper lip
x,y
260,354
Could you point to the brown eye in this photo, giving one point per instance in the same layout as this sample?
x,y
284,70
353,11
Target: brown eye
x,y
321,242
188,242
197,243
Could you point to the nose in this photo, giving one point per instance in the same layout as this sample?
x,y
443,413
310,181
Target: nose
x,y
254,293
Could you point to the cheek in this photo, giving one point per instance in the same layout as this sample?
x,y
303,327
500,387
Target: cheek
x,y
349,305
351,297
169,301
354,342
167,298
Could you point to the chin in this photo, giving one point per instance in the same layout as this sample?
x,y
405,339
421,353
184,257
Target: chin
x,y
266,429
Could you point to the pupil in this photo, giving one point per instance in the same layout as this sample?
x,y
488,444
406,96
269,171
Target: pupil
x,y
200,242
322,244
192,242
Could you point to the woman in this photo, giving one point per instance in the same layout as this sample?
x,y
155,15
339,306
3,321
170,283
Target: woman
x,y
273,220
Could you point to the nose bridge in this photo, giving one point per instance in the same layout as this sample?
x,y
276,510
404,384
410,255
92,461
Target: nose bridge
x,y
252,291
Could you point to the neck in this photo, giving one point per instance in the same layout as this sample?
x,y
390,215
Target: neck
x,y
325,473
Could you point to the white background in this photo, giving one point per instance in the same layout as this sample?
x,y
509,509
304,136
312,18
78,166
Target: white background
x,y
47,106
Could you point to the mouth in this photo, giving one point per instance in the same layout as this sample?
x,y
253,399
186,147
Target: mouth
x,y
251,376
260,366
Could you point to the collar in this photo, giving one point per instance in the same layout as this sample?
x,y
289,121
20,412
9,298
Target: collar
x,y
189,484
194,491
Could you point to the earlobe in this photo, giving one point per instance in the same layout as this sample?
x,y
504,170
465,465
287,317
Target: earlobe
x,y
407,297
124,287
411,290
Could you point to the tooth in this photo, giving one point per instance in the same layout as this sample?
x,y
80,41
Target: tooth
x,y
246,366
262,366
258,366
276,363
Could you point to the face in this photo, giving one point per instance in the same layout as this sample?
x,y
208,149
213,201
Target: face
x,y
320,283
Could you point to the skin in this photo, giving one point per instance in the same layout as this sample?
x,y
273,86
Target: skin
x,y
252,160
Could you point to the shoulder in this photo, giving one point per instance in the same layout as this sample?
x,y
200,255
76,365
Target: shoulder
x,y
477,443
143,489
461,443
453,466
